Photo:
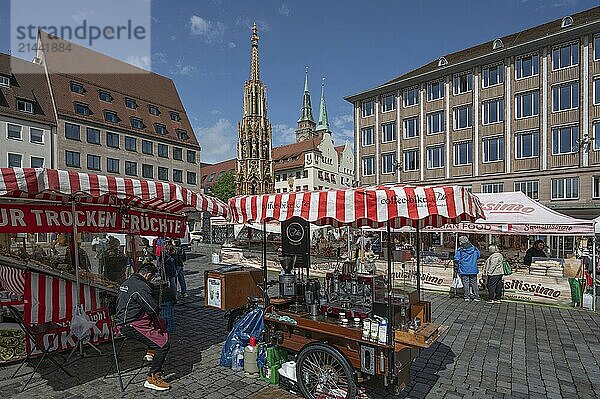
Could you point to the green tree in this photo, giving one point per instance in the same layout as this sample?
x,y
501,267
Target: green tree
x,y
224,187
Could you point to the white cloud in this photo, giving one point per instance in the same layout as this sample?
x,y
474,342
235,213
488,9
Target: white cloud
x,y
143,62
342,120
263,26
231,45
217,141
181,68
283,134
209,31
159,58
285,9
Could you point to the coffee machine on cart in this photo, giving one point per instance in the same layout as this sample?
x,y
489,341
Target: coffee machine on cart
x,y
351,327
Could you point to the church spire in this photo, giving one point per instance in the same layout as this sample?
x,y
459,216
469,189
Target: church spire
x,y
254,66
307,114
323,123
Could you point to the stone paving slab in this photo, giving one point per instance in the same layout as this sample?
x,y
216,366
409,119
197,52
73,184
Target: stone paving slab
x,y
508,350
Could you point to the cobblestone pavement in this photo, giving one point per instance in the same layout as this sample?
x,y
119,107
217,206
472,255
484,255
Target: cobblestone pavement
x,y
510,350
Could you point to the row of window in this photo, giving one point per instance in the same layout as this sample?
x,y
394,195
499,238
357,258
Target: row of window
x,y
299,175
563,56
564,141
16,161
527,104
564,188
15,132
73,132
136,123
113,165
106,96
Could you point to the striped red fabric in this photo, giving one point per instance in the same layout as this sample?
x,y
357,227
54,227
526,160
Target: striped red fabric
x,y
60,185
402,205
12,280
53,298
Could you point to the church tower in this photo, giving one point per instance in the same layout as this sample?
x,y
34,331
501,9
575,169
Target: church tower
x,y
306,123
323,124
254,152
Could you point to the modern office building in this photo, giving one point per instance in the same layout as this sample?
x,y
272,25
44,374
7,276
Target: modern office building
x,y
27,121
520,112
125,121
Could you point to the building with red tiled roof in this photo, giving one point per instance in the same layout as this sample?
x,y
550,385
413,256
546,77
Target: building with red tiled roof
x,y
27,121
116,118
313,162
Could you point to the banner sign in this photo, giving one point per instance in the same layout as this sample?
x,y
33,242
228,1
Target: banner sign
x,y
40,218
63,339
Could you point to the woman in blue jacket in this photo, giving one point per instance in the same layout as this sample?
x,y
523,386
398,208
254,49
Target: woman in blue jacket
x,y
466,257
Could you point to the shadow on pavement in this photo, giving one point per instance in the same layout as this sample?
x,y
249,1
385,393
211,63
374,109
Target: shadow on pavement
x,y
424,373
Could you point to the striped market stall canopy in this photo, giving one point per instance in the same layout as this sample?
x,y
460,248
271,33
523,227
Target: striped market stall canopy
x,y
401,205
65,186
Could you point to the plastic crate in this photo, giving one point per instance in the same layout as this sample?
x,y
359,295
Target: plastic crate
x,y
167,312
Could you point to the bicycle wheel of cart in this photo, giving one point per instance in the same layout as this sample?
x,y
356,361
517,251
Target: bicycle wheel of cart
x,y
324,373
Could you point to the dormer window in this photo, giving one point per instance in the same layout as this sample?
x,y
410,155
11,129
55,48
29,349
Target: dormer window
x,y
182,134
105,96
111,116
130,103
160,129
153,110
4,81
77,88
82,109
497,44
175,116
25,106
566,22
137,123
442,62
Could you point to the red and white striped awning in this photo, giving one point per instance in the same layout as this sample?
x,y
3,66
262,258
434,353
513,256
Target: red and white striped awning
x,y
65,186
368,206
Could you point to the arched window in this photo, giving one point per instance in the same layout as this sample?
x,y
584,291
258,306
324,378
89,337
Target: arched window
x,y
442,62
566,22
497,44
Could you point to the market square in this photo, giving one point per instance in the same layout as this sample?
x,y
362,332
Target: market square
x,y
428,229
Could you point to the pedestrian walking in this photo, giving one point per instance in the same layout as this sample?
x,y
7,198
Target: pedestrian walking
x,y
494,271
170,263
180,258
466,256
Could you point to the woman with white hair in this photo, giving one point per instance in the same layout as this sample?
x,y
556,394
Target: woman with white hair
x,y
494,271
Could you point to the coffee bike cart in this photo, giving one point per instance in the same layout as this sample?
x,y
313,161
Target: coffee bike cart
x,y
354,327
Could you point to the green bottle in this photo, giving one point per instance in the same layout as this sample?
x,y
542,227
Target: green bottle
x,y
270,371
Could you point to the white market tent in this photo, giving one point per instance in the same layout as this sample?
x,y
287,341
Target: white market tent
x,y
516,213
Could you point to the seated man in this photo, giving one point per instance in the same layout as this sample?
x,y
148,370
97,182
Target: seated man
x,y
137,313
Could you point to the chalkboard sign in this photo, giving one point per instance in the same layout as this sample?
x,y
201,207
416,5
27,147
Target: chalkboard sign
x,y
295,240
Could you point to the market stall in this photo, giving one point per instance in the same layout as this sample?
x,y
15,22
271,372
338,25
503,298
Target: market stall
x,y
351,325
50,283
510,218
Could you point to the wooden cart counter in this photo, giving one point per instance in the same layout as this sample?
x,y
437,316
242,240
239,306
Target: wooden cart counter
x,y
422,337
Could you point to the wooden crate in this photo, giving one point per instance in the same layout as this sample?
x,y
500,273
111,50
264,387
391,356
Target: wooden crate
x,y
422,310
230,290
422,337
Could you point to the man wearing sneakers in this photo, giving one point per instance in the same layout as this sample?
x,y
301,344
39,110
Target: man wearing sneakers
x,y
466,256
137,315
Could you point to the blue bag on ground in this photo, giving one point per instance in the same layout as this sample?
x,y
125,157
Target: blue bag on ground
x,y
250,325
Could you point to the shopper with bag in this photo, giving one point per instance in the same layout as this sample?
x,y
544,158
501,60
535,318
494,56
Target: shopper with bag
x,y
494,271
466,256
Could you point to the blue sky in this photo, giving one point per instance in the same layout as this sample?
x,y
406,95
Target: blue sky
x,y
204,47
